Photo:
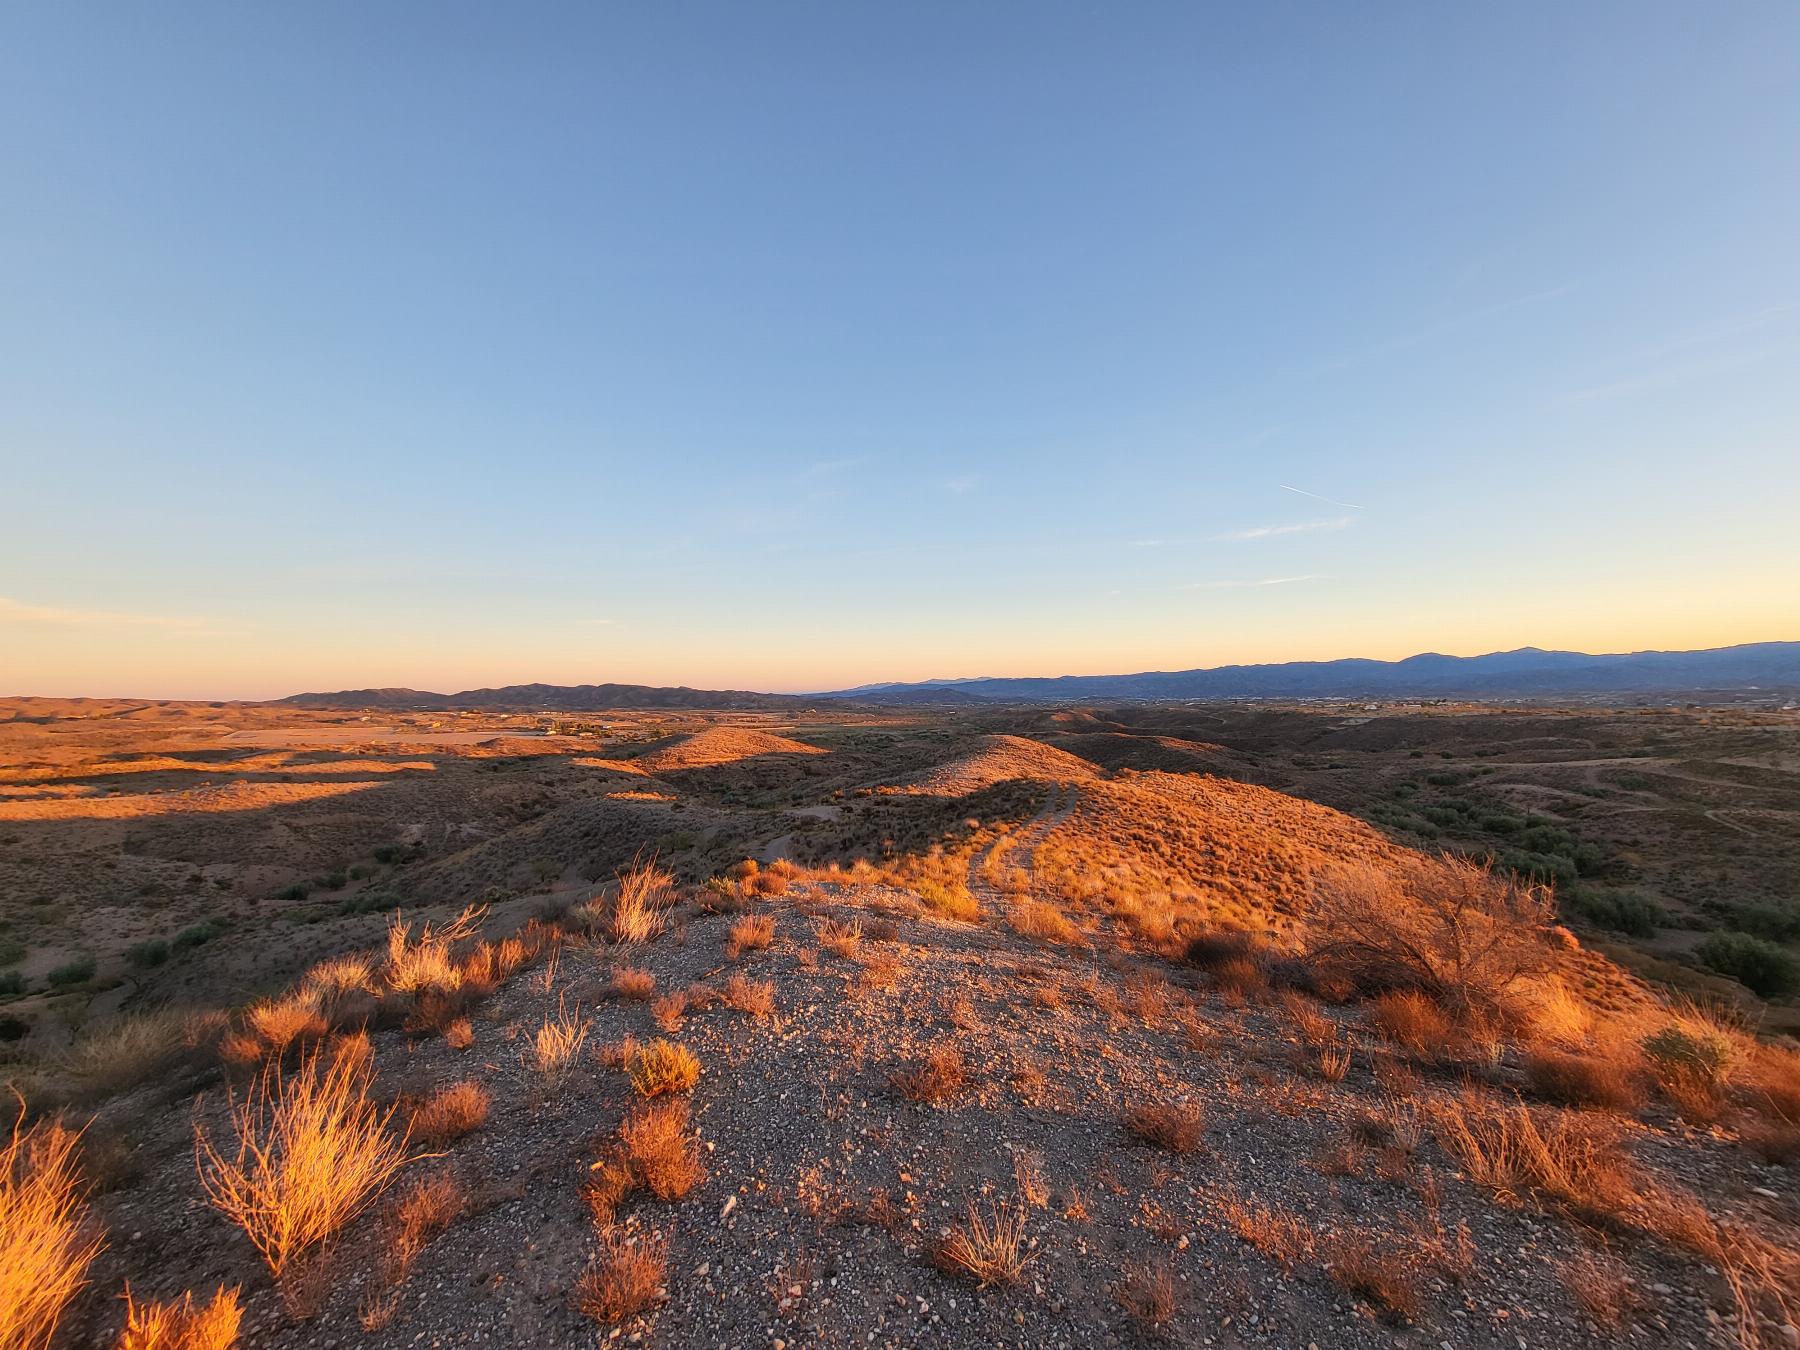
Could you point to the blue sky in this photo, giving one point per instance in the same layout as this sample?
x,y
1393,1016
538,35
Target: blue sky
x,y
794,346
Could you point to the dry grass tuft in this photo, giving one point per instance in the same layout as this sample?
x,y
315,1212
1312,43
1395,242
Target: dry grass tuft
x,y
1602,1290
1513,1152
755,998
460,1034
941,1074
557,1044
1146,1291
312,1152
1582,1080
1412,1019
624,1279
179,1325
752,933
1385,1279
661,1150
662,1067
1334,1064
426,964
450,1113
45,1244
640,909
1044,923
990,1250
1177,1128
631,982
843,939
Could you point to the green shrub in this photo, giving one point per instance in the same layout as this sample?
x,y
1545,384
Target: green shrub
x,y
1777,923
12,984
333,881
1768,970
78,971
1502,824
298,891
152,952
197,935
12,951
1619,911
1703,1057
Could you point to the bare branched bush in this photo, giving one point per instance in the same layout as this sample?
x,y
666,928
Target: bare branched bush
x,y
46,1244
1445,927
312,1152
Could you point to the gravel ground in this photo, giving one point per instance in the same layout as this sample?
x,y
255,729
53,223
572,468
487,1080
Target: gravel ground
x,y
827,1190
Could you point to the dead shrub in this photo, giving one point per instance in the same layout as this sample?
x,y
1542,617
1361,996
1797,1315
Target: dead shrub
x,y
178,1325
668,1009
1385,1279
625,1278
426,963
1514,1152
1177,1127
988,1249
450,1113
459,1035
640,907
1444,927
940,1075
1241,977
312,1152
1146,1291
46,1244
1211,950
1602,1289
1582,1080
662,1067
752,933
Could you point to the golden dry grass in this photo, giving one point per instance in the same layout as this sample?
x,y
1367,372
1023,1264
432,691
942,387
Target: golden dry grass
x,y
1177,1127
1582,1080
661,1149
625,1278
46,1243
178,1325
662,1067
989,1249
754,998
752,933
450,1113
1146,1291
631,982
556,1045
940,1074
640,908
312,1151
426,963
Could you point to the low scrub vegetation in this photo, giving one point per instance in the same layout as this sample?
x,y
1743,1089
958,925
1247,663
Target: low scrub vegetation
x,y
46,1245
178,1324
308,1153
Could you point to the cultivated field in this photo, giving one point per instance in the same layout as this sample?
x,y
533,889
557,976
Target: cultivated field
x,y
1233,1025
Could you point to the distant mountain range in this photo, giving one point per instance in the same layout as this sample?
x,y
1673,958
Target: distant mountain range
x,y
1526,673
542,698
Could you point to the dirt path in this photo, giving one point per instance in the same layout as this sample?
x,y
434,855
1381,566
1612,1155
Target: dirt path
x,y
1027,837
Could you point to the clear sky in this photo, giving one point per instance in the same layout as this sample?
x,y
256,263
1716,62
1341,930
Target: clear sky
x,y
792,346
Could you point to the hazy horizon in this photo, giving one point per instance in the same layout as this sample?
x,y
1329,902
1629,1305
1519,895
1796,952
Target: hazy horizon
x,y
792,349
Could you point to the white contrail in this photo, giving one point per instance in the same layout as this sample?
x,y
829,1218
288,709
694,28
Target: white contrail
x,y
1350,506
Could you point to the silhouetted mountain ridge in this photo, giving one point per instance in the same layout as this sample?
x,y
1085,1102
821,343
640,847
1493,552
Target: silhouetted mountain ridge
x,y
1526,672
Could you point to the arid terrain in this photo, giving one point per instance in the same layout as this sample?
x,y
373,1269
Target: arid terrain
x,y
1202,1024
